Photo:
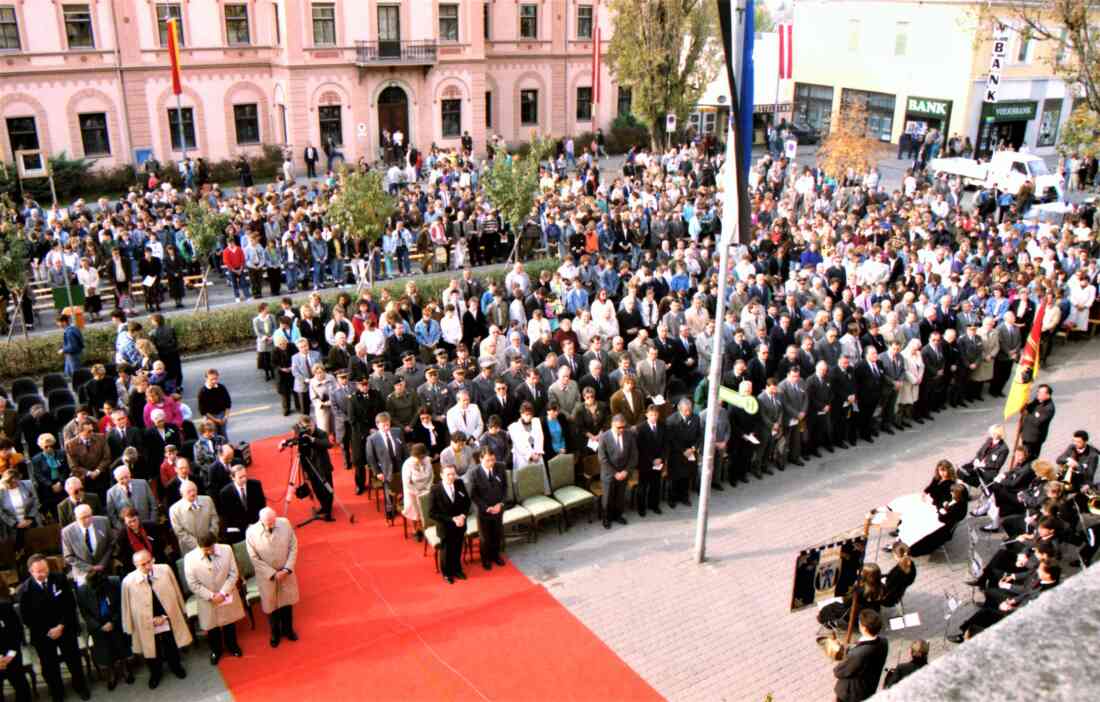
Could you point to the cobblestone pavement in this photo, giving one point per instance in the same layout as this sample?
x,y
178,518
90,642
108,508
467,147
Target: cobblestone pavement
x,y
723,630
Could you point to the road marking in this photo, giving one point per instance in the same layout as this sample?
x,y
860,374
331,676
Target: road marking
x,y
250,410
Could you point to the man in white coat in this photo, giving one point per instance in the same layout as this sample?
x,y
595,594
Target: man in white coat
x,y
211,573
1081,296
153,615
273,548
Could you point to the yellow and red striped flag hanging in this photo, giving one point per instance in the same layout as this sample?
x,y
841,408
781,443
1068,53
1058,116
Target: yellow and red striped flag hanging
x,y
174,55
1027,369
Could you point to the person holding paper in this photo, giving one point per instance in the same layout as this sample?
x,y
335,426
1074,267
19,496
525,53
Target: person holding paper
x,y
48,607
211,572
153,615
652,460
685,436
239,504
618,456
273,548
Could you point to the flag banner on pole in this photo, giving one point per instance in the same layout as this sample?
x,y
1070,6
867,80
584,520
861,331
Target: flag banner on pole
x,y
786,51
1027,368
174,56
596,65
747,95
732,397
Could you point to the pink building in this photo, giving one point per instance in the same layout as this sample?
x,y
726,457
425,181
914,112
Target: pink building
x,y
91,78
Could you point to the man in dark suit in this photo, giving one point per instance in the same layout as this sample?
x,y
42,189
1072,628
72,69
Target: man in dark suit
x,y
597,380
857,675
844,403
311,156
618,456
156,438
685,436
819,389
652,460
386,453
501,404
869,381
11,640
449,506
171,493
685,360
770,407
1038,414
364,406
239,504
488,488
122,436
531,390
893,369
48,607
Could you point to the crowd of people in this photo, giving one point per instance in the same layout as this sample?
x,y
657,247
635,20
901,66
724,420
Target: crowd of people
x,y
853,311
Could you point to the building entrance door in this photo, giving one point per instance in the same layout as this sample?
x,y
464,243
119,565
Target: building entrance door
x,y
393,113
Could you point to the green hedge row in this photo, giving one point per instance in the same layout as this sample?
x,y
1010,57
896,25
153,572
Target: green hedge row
x,y
224,329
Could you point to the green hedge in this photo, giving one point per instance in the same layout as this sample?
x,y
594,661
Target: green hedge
x,y
225,329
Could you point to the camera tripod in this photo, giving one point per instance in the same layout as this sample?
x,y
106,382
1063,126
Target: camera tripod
x,y
298,485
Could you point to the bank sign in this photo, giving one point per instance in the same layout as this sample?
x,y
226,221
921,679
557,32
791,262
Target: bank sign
x,y
996,62
927,108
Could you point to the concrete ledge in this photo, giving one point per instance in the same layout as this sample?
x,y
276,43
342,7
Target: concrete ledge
x,y
1045,651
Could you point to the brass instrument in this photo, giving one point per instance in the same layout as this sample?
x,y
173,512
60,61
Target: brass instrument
x,y
1094,500
1068,477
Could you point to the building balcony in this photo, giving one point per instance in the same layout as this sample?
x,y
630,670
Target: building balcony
x,y
416,52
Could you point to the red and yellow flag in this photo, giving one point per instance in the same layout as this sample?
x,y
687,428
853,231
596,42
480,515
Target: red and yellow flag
x,y
174,55
1027,368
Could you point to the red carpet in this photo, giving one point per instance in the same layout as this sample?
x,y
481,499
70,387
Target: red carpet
x,y
376,621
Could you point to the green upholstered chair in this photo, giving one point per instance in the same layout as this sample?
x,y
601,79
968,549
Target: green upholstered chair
x,y
564,491
531,495
518,521
246,574
432,536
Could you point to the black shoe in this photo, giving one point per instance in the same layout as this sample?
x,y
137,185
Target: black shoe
x,y
84,694
718,487
112,683
621,520
236,652
641,513
868,439
486,565
449,579
888,430
129,677
460,575
745,478
976,582
671,505
214,658
500,562
766,471
815,453
179,672
797,463
956,638
606,524
842,445
291,635
360,490
830,449
154,680
419,536
328,518
274,642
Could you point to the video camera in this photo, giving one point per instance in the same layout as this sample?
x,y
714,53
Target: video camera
x,y
303,437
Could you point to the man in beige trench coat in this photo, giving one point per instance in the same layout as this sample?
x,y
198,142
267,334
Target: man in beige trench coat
x,y
151,600
273,548
211,572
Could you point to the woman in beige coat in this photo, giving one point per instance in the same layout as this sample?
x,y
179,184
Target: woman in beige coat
x,y
991,344
273,548
416,480
910,383
211,572
139,620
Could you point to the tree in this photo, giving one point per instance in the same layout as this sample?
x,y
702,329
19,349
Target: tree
x,y
666,51
849,147
1081,133
13,261
762,18
206,226
512,183
361,208
1071,30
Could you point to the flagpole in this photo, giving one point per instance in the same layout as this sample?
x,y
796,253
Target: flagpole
x,y
179,124
730,223
778,74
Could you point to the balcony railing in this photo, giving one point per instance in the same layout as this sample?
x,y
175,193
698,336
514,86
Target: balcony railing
x,y
417,52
